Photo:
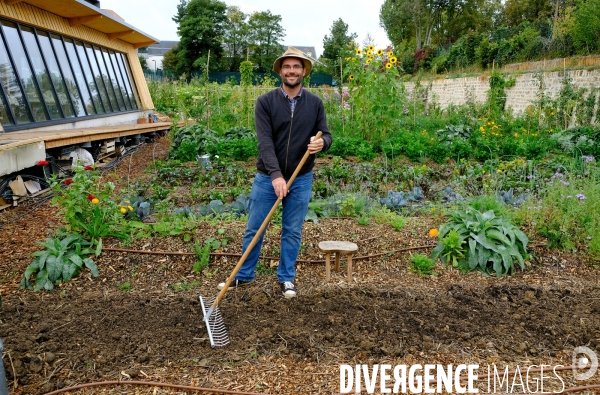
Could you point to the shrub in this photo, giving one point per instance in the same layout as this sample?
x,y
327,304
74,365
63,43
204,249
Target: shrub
x,y
62,260
481,241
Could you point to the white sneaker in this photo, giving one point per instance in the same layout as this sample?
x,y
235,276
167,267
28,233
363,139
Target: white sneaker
x,y
288,289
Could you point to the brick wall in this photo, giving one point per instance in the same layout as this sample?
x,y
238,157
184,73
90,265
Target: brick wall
x,y
518,97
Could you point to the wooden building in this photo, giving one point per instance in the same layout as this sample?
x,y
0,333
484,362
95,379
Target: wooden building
x,y
69,74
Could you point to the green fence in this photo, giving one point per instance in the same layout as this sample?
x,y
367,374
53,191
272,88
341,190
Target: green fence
x,y
222,77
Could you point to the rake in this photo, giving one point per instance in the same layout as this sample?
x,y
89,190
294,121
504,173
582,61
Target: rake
x,y
217,333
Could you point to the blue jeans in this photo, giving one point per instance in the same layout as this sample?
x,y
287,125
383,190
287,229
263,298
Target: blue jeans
x,y
295,206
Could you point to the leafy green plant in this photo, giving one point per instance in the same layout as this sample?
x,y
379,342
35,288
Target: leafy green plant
x,y
62,259
125,287
481,241
422,264
88,208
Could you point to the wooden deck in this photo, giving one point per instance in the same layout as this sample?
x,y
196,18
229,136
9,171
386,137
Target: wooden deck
x,y
60,138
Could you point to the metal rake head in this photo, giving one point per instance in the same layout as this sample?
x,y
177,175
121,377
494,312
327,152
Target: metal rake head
x,y
217,333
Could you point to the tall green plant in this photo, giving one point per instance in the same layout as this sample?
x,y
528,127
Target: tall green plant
x,y
376,95
472,240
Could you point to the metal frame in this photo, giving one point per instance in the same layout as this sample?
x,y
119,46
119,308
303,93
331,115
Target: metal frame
x,y
132,84
112,55
105,55
91,47
37,41
32,69
62,75
17,77
9,109
87,87
112,61
112,87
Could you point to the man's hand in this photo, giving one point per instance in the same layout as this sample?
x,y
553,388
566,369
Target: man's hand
x,y
280,187
315,145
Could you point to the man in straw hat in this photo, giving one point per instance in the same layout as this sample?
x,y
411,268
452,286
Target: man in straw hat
x,y
287,120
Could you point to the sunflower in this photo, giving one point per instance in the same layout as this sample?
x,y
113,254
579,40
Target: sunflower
x,y
380,52
369,60
358,51
370,53
370,48
351,77
388,65
393,59
390,54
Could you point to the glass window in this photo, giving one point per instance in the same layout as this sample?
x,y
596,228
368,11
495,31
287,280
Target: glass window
x,y
113,80
122,85
45,76
56,77
41,74
106,79
14,95
89,77
73,62
127,76
24,71
98,78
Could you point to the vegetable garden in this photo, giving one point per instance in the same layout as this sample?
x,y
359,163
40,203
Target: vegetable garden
x,y
477,229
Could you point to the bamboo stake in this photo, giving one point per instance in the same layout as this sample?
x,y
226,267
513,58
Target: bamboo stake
x,y
207,93
342,92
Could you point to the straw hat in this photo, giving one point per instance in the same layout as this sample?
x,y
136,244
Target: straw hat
x,y
293,53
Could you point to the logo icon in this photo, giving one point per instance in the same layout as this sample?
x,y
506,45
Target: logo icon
x,y
582,357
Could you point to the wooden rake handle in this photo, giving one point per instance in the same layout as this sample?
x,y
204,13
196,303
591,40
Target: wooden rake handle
x,y
261,229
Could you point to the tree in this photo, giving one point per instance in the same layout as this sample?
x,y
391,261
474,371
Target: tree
x,y
235,39
586,32
265,33
337,44
201,27
170,61
143,63
519,11
181,7
396,19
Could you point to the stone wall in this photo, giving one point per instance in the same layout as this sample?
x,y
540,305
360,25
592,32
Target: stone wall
x,y
518,97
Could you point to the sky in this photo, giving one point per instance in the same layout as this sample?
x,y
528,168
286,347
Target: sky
x,y
306,22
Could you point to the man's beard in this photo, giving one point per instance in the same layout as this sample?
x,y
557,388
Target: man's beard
x,y
299,81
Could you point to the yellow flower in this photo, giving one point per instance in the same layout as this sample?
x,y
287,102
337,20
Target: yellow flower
x,y
351,77
433,232
95,201
393,59
127,201
388,65
482,128
379,52
348,58
516,134
123,210
432,139
130,208
390,54
358,51
370,48
368,60
493,122
370,53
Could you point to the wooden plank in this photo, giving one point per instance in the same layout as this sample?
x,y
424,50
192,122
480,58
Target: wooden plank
x,y
11,2
4,207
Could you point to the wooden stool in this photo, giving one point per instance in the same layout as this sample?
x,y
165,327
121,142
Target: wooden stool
x,y
339,247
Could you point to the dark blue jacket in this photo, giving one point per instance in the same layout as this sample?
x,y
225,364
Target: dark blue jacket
x,y
283,137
